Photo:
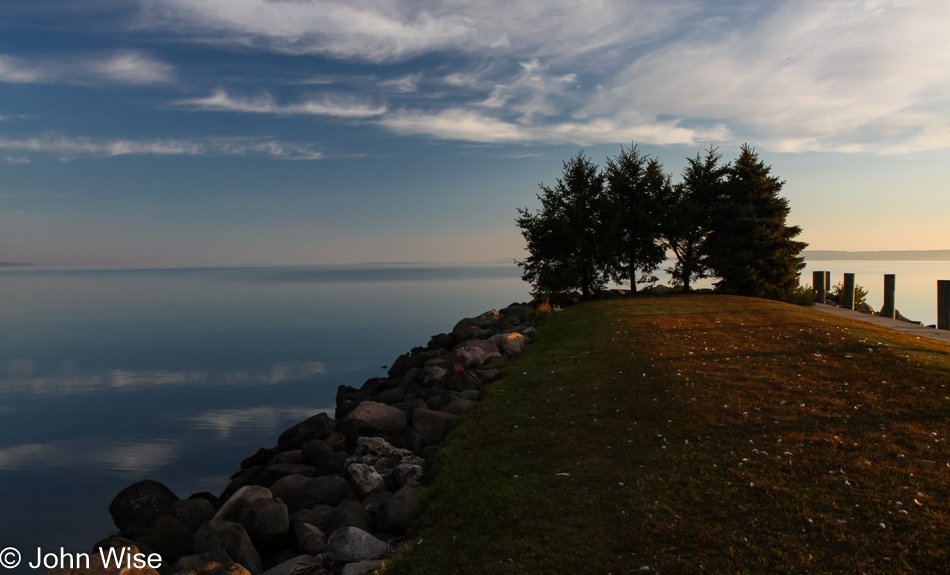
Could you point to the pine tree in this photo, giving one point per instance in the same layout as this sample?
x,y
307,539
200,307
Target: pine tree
x,y
750,248
566,237
635,183
687,218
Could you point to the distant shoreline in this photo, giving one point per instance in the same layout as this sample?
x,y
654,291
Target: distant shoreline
x,y
903,255
14,265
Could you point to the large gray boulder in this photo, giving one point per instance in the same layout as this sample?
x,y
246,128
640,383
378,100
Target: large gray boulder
x,y
139,504
364,478
374,419
350,544
510,344
231,509
233,539
301,492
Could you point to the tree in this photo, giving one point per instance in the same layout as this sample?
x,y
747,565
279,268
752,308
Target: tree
x,y
634,186
750,248
686,217
566,236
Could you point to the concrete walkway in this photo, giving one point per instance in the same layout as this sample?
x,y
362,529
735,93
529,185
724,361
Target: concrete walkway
x,y
911,328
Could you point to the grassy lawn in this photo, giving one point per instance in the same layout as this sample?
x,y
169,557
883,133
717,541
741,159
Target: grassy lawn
x,y
699,433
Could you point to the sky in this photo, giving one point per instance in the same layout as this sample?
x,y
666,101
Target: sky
x,y
240,132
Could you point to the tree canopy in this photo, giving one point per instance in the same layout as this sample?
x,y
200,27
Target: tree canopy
x,y
722,220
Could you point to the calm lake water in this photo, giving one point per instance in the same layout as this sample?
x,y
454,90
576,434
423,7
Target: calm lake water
x,y
916,283
112,376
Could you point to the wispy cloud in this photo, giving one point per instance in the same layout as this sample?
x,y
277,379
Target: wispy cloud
x,y
263,419
790,75
66,148
90,453
125,67
21,378
386,30
334,106
473,126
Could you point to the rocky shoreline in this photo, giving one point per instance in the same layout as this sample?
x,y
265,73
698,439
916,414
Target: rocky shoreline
x,y
334,495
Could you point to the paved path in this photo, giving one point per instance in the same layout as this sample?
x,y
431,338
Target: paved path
x,y
912,328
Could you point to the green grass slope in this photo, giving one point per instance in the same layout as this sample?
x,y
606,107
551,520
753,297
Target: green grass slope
x,y
698,434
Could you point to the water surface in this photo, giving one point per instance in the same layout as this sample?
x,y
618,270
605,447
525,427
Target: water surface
x,y
112,376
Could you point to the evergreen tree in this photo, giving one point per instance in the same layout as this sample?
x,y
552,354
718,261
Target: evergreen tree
x,y
686,217
566,236
635,184
750,248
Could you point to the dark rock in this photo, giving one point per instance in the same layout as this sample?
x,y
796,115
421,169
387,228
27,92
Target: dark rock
x,y
442,341
310,539
216,562
276,471
362,567
395,514
192,512
262,456
289,563
471,395
233,539
292,457
437,402
241,479
375,385
400,366
231,509
140,504
299,491
332,463
319,426
430,427
459,380
169,538
407,407
413,376
312,450
350,544
459,407
337,441
318,515
391,396
349,514
373,419
266,522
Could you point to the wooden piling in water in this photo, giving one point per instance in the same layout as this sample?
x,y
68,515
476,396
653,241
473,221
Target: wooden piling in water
x,y
890,290
847,295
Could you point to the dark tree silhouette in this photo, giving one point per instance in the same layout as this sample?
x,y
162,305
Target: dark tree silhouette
x,y
750,248
566,236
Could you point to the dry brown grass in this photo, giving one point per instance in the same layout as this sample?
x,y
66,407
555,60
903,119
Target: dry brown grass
x,y
700,434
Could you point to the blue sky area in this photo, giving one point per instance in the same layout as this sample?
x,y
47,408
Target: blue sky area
x,y
223,132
